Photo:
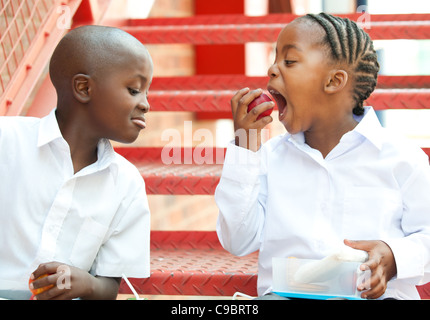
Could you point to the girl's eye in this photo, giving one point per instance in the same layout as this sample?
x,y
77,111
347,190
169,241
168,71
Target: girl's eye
x,y
289,62
133,92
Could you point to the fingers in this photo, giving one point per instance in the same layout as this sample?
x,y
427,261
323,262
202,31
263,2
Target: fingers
x,y
42,282
53,293
45,277
246,126
256,113
241,100
45,268
381,273
381,263
359,245
237,104
375,285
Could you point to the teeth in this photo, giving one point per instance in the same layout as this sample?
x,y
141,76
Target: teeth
x,y
273,92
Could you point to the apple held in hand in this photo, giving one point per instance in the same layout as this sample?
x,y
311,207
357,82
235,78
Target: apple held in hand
x,y
39,290
259,100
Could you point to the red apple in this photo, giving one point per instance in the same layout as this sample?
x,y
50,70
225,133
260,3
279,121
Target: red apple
x,y
259,100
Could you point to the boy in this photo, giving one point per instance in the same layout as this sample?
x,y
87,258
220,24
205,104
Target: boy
x,y
72,208
337,176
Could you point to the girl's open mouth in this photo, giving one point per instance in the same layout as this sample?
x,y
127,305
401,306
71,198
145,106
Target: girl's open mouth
x,y
281,102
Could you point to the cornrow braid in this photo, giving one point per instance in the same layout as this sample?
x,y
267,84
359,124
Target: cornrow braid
x,y
349,43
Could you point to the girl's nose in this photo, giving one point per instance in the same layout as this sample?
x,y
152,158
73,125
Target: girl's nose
x,y
273,71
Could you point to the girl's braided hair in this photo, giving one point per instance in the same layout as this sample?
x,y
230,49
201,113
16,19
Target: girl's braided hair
x,y
352,45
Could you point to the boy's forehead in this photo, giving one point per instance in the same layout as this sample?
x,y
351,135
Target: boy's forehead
x,y
134,64
117,46
94,49
133,56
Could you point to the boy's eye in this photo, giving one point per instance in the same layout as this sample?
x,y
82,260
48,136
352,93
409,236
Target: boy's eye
x,y
133,92
289,62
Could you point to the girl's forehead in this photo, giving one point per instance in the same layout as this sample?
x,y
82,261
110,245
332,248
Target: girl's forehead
x,y
301,34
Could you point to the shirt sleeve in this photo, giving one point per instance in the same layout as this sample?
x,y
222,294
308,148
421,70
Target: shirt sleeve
x,y
412,252
240,199
127,250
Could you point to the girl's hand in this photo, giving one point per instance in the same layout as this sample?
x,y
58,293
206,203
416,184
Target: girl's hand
x,y
71,282
381,263
246,126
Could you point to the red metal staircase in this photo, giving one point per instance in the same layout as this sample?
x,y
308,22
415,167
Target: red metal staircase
x,y
186,262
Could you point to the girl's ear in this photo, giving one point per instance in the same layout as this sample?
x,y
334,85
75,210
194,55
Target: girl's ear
x,y
81,87
336,82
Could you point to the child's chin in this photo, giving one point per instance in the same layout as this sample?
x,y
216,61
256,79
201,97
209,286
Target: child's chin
x,y
128,139
289,128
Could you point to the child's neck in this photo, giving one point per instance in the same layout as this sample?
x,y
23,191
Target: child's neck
x,y
327,137
83,147
82,155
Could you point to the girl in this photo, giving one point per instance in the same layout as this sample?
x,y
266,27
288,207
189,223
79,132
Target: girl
x,y
336,176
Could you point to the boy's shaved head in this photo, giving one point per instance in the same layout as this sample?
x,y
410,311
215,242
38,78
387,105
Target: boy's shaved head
x,y
91,50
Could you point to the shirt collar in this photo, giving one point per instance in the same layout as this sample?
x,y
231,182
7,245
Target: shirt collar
x,y
368,127
50,131
106,157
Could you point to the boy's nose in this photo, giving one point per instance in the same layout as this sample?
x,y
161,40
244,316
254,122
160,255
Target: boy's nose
x,y
144,106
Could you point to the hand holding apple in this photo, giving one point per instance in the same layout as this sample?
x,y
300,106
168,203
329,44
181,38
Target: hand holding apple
x,y
248,125
259,100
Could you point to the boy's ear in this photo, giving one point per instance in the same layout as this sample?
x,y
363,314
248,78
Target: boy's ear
x,y
81,87
336,82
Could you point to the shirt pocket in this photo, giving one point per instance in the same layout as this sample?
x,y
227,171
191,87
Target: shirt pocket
x,y
371,213
87,244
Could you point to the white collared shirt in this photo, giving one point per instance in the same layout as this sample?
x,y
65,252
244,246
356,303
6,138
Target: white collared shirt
x,y
287,200
97,219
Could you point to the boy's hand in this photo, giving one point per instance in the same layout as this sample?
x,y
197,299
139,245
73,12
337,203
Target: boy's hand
x,y
71,282
246,126
381,263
